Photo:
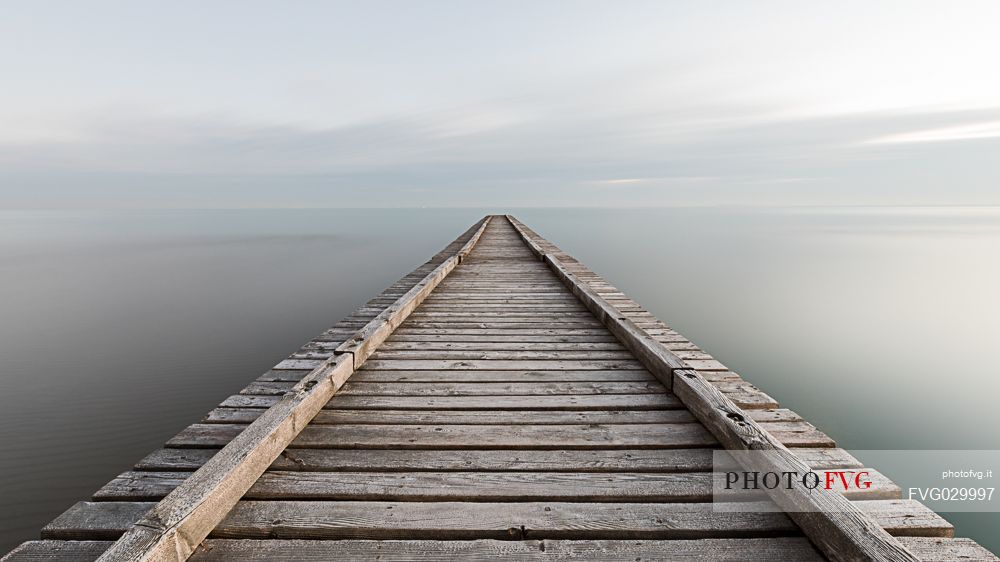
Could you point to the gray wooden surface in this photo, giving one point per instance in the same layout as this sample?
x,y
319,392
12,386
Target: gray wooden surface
x,y
718,550
501,419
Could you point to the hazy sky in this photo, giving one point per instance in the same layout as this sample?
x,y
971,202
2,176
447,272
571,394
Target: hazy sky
x,y
288,104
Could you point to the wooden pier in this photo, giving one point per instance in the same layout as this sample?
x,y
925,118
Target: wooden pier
x,y
501,400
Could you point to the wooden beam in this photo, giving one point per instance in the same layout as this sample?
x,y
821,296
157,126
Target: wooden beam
x,y
477,486
388,460
173,529
465,520
730,550
834,524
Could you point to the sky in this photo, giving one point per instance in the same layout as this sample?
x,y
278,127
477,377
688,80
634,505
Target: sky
x,y
249,104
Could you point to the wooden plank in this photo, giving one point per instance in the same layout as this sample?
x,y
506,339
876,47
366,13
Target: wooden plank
x,y
742,550
475,336
412,434
557,402
426,486
713,550
506,304
553,355
499,520
394,344
497,417
183,519
512,295
452,330
502,304
523,316
498,289
798,434
774,415
381,460
96,520
451,297
719,550
518,273
746,396
162,460
57,551
509,327
481,375
833,523
618,375
555,318
504,389
576,436
468,417
501,365
473,388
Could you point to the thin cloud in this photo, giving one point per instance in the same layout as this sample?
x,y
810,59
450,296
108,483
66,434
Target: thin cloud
x,y
974,131
655,181
500,154
623,181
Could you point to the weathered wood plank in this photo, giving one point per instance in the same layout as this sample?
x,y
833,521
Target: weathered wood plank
x,y
557,402
476,336
741,550
618,375
501,365
404,332
506,486
57,551
453,295
509,327
549,355
480,375
500,417
406,388
394,344
577,436
746,396
468,417
411,434
380,460
562,305
719,550
529,317
500,520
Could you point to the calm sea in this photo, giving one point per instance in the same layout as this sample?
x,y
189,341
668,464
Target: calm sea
x,y
880,325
